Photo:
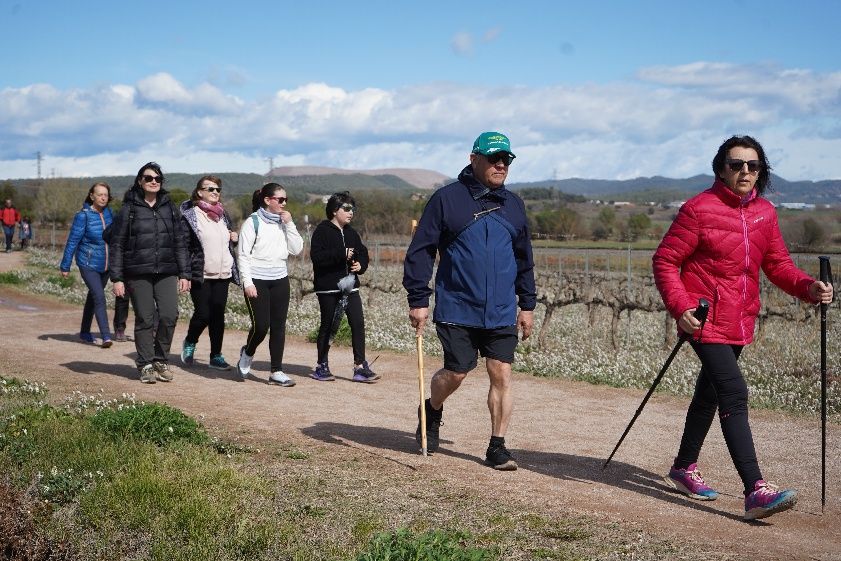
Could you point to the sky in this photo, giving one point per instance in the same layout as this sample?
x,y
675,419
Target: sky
x,y
598,89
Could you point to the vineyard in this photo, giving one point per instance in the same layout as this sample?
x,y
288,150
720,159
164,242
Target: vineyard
x,y
599,319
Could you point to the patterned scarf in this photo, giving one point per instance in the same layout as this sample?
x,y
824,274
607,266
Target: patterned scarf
x,y
214,212
267,216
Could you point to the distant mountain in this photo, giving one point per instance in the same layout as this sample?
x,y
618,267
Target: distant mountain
x,y
420,178
662,189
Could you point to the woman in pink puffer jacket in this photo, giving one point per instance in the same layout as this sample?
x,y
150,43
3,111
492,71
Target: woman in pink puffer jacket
x,y
714,250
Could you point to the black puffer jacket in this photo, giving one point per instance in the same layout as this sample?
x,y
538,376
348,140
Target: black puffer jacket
x,y
148,240
328,253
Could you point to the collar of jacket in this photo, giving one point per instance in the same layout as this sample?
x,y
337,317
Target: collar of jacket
x,y
137,197
727,196
478,190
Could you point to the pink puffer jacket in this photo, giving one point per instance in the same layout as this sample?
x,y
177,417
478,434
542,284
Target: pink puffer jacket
x,y
714,250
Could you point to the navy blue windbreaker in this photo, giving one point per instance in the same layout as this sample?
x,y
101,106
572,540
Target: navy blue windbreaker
x,y
486,267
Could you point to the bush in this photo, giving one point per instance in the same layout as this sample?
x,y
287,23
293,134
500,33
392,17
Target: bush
x,y
10,277
152,422
436,545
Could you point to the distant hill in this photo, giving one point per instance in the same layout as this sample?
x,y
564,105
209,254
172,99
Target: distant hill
x,y
663,189
420,178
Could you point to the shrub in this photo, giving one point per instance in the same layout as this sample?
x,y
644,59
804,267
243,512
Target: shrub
x,y
152,422
10,277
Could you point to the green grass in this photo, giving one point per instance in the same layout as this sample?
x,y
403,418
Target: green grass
x,y
10,277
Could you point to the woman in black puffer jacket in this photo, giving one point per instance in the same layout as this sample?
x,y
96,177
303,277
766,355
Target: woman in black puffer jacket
x,y
148,252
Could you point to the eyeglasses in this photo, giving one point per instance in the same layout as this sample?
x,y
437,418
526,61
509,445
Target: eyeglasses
x,y
503,157
348,208
150,178
737,165
280,200
212,189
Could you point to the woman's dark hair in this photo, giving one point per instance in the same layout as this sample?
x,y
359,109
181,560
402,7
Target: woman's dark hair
x,y
212,178
152,166
763,181
259,196
335,201
93,188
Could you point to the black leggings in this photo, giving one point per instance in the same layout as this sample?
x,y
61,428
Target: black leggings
x,y
720,385
210,298
269,311
327,304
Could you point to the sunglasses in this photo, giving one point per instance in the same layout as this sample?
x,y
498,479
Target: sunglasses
x,y
348,208
503,157
151,178
212,189
737,165
280,200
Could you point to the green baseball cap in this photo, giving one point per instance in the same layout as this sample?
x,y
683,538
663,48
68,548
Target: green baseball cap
x,y
492,142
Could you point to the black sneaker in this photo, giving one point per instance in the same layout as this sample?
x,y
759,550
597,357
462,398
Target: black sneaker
x,y
498,457
433,421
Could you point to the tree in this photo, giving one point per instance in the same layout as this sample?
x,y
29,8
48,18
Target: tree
x,y
638,224
813,233
57,201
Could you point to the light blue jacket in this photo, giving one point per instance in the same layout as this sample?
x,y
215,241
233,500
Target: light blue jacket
x,y
85,240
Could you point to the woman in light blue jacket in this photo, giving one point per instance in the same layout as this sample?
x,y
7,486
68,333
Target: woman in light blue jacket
x,y
86,243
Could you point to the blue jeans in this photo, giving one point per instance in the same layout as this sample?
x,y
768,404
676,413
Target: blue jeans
x,y
95,302
10,235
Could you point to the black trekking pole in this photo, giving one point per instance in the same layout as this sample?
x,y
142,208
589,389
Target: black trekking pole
x,y
701,315
826,278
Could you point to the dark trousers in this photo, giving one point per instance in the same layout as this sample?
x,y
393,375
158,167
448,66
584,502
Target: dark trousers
x,y
121,304
268,312
210,298
148,294
9,231
327,304
720,385
95,304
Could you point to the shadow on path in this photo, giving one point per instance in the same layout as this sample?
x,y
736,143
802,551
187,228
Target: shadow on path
x,y
567,467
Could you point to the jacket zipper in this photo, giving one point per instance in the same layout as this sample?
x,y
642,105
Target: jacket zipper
x,y
747,265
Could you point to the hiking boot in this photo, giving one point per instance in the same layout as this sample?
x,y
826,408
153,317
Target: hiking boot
x,y
280,379
322,373
218,362
147,374
433,422
120,336
106,343
766,499
244,364
187,352
86,337
498,457
364,374
162,371
689,482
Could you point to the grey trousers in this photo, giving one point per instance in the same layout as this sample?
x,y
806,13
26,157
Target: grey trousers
x,y
150,293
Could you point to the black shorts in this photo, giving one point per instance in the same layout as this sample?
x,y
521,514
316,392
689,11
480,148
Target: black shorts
x,y
461,343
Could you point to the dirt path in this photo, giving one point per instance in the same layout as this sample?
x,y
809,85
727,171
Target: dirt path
x,y
560,435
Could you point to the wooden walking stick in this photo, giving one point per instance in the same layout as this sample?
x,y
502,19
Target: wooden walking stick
x,y
826,278
421,385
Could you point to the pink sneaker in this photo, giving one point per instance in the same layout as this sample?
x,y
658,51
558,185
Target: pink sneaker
x,y
766,499
689,482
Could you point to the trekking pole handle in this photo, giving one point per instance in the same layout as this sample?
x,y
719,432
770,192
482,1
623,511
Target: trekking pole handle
x,y
825,270
702,311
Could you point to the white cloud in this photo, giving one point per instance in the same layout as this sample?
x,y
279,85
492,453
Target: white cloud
x,y
462,43
669,121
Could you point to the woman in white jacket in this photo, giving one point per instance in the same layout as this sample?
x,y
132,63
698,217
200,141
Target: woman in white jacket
x,y
266,240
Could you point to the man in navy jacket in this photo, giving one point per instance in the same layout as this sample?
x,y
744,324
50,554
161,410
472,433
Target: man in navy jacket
x,y
479,230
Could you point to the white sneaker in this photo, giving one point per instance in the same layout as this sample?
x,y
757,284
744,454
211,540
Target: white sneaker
x,y
280,379
244,364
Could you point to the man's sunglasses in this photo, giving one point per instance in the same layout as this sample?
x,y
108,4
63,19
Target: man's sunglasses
x,y
348,208
503,157
212,189
737,165
151,178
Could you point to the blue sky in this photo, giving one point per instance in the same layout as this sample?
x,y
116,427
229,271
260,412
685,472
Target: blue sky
x,y
599,89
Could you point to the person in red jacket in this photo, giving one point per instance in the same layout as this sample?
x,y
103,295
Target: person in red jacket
x,y
714,250
9,216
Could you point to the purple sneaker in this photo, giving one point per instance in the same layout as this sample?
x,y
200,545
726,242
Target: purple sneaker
x,y
364,374
322,373
689,482
766,499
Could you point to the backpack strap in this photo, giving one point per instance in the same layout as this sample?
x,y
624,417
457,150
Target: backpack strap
x,y
256,220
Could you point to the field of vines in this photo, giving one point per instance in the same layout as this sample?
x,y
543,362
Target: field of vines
x,y
596,321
